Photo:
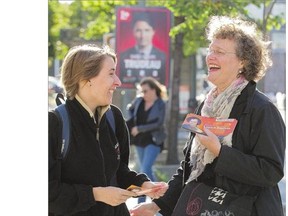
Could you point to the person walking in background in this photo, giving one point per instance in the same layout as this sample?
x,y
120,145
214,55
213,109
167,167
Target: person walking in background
x,y
248,162
146,124
93,176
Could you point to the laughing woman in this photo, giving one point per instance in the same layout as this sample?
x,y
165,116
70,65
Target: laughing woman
x,y
248,162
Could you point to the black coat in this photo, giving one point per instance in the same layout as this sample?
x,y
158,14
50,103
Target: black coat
x,y
253,166
89,163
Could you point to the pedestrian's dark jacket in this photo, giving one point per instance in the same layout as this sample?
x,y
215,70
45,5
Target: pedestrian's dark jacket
x,y
254,164
89,163
155,120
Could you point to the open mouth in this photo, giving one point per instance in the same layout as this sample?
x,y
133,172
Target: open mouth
x,y
213,67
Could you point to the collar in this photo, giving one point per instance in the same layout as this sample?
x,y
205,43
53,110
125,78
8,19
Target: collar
x,y
243,103
100,110
251,89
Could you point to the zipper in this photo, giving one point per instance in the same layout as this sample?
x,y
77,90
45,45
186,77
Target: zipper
x,y
101,153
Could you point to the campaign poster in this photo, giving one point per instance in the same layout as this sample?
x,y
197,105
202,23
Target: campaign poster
x,y
143,44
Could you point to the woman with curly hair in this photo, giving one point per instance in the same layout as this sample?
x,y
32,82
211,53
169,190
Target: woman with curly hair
x,y
249,161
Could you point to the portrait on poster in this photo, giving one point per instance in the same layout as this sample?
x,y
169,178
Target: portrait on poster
x,y
143,44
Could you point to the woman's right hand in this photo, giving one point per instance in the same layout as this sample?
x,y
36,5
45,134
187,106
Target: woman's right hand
x,y
112,195
134,131
147,209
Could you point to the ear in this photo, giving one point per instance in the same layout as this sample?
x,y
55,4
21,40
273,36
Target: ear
x,y
82,83
241,64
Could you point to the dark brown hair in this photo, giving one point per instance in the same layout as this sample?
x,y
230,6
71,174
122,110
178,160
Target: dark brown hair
x,y
161,90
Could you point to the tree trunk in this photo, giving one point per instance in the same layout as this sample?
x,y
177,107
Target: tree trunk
x,y
172,157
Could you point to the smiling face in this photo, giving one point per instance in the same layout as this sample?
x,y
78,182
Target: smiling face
x,y
105,83
222,63
98,91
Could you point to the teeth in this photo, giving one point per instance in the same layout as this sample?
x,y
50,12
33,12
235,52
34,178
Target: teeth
x,y
213,66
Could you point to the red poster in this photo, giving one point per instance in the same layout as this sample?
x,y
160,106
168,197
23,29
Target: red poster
x,y
143,44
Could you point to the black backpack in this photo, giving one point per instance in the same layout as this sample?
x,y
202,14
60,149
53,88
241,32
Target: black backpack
x,y
63,116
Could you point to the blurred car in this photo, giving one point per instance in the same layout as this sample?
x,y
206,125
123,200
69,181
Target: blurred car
x,y
54,85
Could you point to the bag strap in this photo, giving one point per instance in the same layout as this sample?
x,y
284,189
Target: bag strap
x,y
60,99
62,112
111,120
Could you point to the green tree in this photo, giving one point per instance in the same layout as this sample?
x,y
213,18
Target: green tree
x,y
58,18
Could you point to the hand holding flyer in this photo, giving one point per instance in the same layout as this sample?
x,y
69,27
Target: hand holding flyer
x,y
220,127
140,191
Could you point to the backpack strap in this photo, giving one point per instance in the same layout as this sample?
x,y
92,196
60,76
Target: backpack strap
x,y
111,120
60,99
62,112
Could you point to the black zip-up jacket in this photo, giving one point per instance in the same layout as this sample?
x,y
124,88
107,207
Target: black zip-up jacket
x,y
89,163
253,166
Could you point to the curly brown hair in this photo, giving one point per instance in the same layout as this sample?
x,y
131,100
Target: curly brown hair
x,y
251,48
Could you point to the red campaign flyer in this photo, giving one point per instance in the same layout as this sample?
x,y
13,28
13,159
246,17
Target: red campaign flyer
x,y
220,127
139,191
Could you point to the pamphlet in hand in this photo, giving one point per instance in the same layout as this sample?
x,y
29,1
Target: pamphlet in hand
x,y
140,191
220,127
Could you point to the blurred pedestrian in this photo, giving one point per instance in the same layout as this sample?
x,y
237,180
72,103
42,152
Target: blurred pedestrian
x,y
248,162
146,124
93,176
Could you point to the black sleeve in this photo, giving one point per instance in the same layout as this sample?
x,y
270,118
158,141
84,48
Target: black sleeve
x,y
167,202
64,198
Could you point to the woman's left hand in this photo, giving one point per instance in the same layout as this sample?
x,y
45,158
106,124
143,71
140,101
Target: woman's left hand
x,y
211,141
158,189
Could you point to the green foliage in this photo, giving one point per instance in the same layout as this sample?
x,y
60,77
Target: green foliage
x,y
275,22
198,12
89,20
58,18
